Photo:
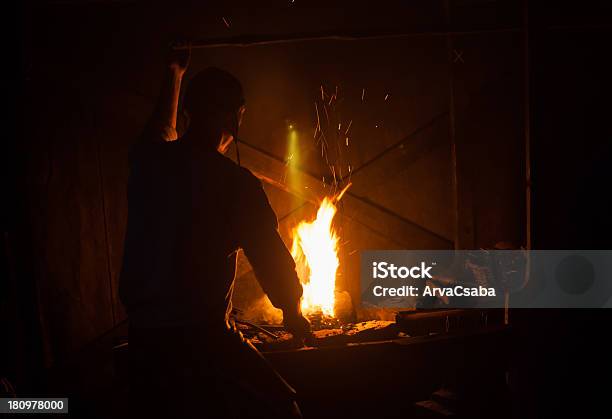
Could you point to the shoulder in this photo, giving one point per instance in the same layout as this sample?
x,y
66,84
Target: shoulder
x,y
241,175
250,197
249,180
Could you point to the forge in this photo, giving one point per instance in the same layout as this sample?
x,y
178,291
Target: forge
x,y
315,247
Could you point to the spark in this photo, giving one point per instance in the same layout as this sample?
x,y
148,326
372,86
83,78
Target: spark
x,y
362,94
348,128
340,194
322,93
318,127
326,114
227,24
347,141
333,97
323,139
386,97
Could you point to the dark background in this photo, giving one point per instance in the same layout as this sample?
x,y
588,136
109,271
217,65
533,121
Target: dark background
x,y
518,88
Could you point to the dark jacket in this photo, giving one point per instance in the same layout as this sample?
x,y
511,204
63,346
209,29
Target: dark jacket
x,y
189,213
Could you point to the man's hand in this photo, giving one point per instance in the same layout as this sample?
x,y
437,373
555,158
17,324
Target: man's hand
x,y
179,57
297,325
162,124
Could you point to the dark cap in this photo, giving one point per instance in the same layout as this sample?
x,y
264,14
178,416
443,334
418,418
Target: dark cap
x,y
213,90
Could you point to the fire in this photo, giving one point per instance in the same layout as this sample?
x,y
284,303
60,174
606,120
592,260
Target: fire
x,y
315,250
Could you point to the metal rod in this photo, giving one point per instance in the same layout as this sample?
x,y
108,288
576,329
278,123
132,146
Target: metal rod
x,y
272,39
258,328
394,146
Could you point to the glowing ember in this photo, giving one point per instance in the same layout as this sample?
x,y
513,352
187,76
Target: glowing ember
x,y
315,250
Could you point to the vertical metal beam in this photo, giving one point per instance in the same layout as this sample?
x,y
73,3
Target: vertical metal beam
x,y
452,116
461,181
527,122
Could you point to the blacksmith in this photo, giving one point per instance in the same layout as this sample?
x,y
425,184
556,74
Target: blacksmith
x,y
190,210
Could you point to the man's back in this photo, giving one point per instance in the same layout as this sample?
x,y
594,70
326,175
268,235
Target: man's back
x,y
189,211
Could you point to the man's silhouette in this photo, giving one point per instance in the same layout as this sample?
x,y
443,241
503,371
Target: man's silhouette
x,y
190,210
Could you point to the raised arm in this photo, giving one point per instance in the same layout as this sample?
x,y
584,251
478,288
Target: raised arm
x,y
162,124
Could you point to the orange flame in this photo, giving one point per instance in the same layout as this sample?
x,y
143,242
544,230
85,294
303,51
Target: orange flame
x,y
315,251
